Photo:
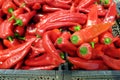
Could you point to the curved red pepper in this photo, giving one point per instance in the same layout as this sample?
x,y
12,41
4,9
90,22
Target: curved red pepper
x,y
85,51
16,57
10,43
88,64
49,48
7,53
117,43
63,43
111,62
23,19
19,65
6,29
111,13
8,7
43,60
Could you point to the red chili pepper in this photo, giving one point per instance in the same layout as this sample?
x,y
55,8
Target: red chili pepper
x,y
10,42
49,48
43,60
63,43
117,43
112,51
111,62
6,29
30,30
1,45
34,1
36,6
106,3
111,13
19,64
8,7
92,20
1,20
87,34
85,3
75,28
15,58
47,8
85,51
106,38
54,34
101,11
88,64
22,4
37,49
49,67
7,53
19,30
23,19
1,3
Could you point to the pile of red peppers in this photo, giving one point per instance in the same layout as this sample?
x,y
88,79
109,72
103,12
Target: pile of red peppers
x,y
37,34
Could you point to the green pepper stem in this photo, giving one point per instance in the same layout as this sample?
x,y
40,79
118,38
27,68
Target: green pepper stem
x,y
59,40
74,39
16,34
107,41
92,44
22,38
10,38
77,28
83,50
10,10
38,36
11,18
18,22
62,55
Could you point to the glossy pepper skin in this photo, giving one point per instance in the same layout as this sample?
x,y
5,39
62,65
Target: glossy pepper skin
x,y
93,31
49,48
14,59
88,64
65,45
6,29
111,13
111,62
10,43
23,19
43,60
8,7
85,51
112,51
7,53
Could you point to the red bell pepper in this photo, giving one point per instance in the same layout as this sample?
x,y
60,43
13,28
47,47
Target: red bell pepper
x,y
87,34
111,13
88,64
49,48
10,42
8,7
65,45
6,29
16,57
85,51
7,53
23,19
